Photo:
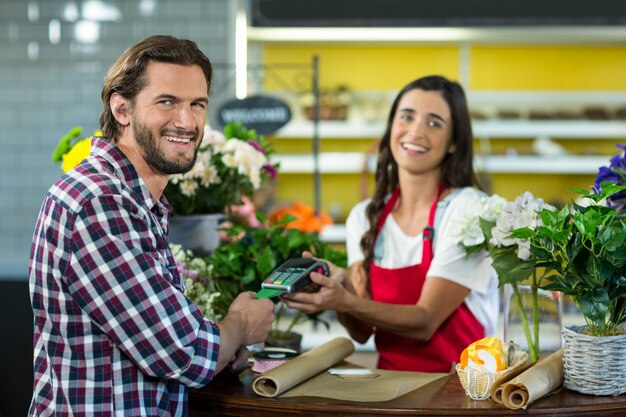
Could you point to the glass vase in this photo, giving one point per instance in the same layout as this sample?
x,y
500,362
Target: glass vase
x,y
532,319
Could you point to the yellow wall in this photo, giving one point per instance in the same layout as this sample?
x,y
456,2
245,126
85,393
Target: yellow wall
x,y
365,67
524,67
491,67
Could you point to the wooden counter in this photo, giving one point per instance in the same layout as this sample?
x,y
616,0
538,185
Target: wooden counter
x,y
233,396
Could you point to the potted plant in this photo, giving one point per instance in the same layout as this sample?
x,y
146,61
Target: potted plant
x,y
230,166
242,264
583,250
487,225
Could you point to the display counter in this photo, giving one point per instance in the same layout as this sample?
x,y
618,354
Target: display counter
x,y
229,395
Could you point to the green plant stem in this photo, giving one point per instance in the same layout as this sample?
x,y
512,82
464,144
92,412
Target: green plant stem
x,y
295,321
279,313
534,355
535,342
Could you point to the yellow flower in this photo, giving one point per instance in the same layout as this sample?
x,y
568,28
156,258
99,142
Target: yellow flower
x,y
75,155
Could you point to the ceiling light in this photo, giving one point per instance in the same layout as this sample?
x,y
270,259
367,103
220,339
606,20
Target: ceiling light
x,y
70,12
87,31
54,31
33,11
147,7
98,11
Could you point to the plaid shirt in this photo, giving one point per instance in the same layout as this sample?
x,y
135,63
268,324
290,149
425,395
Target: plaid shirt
x,y
113,333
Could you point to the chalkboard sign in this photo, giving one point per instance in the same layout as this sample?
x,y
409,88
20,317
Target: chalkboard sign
x,y
431,13
263,113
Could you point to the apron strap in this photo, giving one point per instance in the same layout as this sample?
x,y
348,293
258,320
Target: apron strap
x,y
428,232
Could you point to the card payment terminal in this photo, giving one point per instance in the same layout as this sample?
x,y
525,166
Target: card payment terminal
x,y
292,276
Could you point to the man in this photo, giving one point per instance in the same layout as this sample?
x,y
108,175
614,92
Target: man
x,y
114,334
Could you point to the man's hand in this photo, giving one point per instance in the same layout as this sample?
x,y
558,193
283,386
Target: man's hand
x,y
255,317
239,362
248,321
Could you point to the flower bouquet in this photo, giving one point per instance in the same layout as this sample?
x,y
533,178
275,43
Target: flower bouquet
x,y
229,165
488,224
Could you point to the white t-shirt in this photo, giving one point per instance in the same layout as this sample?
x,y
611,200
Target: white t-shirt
x,y
450,260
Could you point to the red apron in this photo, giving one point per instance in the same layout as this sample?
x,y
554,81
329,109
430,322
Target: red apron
x,y
404,286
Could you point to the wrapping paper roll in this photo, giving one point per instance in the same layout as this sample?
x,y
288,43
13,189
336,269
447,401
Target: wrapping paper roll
x,y
303,367
496,389
537,381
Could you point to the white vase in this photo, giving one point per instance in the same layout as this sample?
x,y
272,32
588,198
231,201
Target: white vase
x,y
198,233
594,364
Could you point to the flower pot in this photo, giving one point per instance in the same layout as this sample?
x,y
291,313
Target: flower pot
x,y
291,341
198,233
594,365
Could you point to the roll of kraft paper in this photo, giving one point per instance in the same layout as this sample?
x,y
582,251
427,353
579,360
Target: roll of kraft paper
x,y
537,381
303,367
496,390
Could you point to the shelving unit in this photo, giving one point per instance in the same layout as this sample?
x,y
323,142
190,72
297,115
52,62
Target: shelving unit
x,y
352,163
532,72
510,129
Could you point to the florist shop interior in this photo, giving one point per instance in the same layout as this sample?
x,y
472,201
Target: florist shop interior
x,y
306,91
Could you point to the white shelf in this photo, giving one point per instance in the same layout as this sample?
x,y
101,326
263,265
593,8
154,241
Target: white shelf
x,y
529,164
302,129
510,129
574,129
329,163
335,233
352,162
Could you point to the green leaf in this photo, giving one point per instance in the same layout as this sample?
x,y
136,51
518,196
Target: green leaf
x,y
594,305
508,266
65,143
266,262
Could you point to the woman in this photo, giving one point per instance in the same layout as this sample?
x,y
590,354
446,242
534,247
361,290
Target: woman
x,y
409,283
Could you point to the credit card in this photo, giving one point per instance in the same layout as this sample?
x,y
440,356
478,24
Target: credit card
x,y
269,293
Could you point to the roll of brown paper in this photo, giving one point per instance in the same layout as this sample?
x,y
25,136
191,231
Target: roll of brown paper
x,y
537,381
496,388
303,367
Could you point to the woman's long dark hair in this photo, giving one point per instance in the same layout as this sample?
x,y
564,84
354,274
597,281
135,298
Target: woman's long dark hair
x,y
457,168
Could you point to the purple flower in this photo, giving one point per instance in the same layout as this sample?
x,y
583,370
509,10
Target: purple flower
x,y
256,146
615,173
271,170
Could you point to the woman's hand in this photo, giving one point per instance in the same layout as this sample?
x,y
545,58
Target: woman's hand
x,y
335,272
330,296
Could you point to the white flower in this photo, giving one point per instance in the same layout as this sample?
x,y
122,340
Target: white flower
x,y
466,227
244,157
493,207
230,161
210,176
212,137
523,212
188,187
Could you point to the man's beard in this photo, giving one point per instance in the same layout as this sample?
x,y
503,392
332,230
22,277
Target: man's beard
x,y
153,154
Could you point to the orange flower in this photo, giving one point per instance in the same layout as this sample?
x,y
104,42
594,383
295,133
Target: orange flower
x,y
306,220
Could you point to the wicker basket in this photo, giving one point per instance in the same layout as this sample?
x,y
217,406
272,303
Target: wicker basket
x,y
593,365
477,382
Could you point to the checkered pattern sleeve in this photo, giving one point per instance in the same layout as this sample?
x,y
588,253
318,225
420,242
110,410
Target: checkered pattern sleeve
x,y
120,280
